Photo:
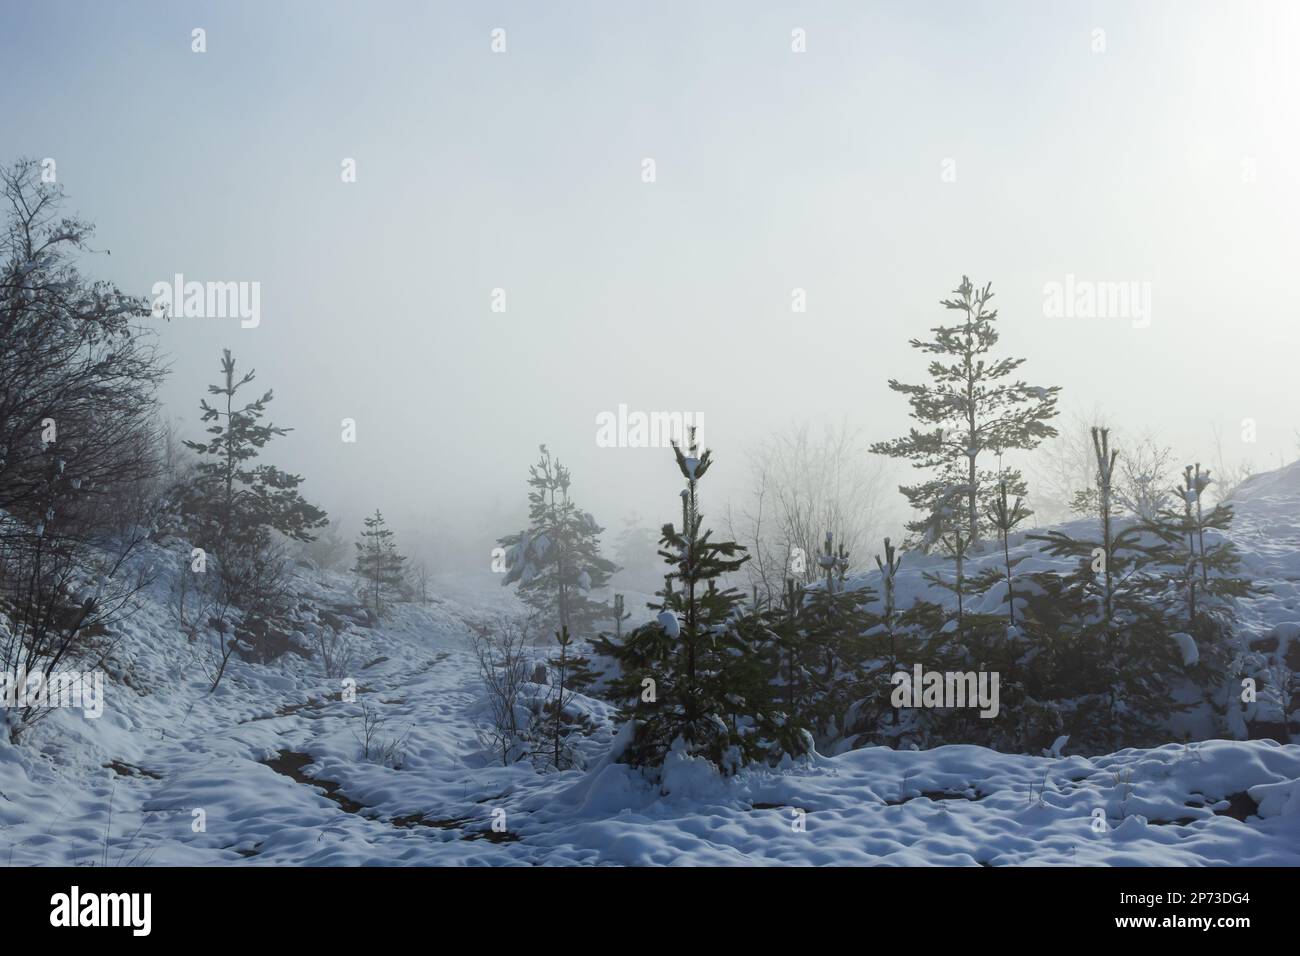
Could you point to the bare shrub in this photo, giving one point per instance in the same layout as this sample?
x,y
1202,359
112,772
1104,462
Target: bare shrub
x,y
503,663
336,651
239,598
1065,480
60,598
375,747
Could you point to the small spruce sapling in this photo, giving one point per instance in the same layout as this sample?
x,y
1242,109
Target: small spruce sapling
x,y
379,566
619,616
1005,516
704,676
570,674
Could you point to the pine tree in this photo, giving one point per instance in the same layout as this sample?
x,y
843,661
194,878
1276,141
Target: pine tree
x,y
1203,577
379,565
619,615
233,503
570,673
702,677
563,695
973,411
1190,494
1207,574
633,549
946,527
1005,516
888,577
831,647
556,562
234,509
965,640
786,623
1109,655
895,640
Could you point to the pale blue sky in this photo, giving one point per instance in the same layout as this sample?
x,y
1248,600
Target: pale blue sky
x,y
776,170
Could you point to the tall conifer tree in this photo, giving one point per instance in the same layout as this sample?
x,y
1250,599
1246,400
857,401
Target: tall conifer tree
x,y
556,562
974,407
381,568
233,502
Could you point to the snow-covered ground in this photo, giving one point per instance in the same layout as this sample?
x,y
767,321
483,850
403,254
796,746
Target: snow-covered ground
x,y
271,766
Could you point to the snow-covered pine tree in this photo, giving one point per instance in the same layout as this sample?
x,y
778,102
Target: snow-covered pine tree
x,y
235,510
556,562
966,639
702,678
800,644
233,503
989,642
830,647
380,567
1104,632
895,640
1207,572
973,407
1203,580
946,531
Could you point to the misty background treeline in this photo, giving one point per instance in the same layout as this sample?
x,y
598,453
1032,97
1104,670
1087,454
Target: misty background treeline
x,y
756,647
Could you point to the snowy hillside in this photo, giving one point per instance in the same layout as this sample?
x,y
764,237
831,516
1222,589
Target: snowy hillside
x,y
1267,529
271,767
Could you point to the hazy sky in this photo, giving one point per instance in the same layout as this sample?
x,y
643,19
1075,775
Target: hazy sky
x,y
1168,157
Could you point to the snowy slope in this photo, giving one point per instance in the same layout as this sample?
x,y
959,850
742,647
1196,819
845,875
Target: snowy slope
x,y
273,761
1266,529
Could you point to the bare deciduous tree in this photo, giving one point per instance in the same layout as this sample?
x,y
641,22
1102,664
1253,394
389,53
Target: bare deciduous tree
x,y
1227,478
78,440
78,371
420,580
802,487
1065,479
